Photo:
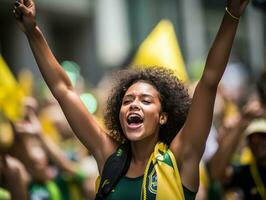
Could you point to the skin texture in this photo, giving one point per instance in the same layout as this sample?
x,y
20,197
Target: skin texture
x,y
141,99
189,142
14,174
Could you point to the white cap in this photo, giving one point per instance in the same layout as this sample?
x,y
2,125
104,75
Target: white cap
x,y
256,126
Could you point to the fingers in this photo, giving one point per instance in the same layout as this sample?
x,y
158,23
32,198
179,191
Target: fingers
x,y
24,9
16,11
17,16
20,9
28,2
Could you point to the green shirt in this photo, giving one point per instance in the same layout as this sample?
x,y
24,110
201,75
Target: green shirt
x,y
48,191
129,189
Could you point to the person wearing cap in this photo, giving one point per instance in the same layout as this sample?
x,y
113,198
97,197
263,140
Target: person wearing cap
x,y
248,178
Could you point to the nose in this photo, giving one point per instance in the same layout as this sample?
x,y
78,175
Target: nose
x,y
134,105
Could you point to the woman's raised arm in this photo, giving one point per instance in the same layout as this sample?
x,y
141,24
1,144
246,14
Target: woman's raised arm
x,y
189,144
81,121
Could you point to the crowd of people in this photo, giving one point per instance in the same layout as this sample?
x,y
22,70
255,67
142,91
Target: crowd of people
x,y
161,139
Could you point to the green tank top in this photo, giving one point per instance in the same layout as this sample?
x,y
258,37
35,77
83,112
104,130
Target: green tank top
x,y
129,189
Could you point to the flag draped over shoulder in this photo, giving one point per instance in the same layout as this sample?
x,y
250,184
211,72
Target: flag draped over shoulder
x,y
161,48
11,94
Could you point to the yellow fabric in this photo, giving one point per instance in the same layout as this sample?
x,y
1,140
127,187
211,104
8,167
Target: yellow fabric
x,y
74,191
257,179
48,127
25,80
169,184
6,136
97,183
204,179
230,109
11,95
161,48
246,156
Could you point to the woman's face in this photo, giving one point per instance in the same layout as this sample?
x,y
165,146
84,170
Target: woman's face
x,y
140,112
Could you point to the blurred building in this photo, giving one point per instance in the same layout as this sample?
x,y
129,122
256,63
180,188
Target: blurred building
x,y
101,35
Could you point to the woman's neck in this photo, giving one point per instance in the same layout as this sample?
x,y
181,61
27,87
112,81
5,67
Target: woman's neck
x,y
141,152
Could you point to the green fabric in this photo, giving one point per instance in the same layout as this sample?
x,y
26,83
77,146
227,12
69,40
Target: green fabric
x,y
167,159
215,190
53,190
4,194
189,195
48,191
127,189
63,187
70,186
80,176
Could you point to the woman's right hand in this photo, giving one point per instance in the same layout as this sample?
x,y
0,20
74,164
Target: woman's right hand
x,y
25,13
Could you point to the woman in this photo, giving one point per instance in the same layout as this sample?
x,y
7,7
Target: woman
x,y
140,115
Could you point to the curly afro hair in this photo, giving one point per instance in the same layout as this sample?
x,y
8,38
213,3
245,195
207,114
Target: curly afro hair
x,y
174,99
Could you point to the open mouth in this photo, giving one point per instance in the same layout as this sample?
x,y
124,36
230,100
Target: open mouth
x,y
134,120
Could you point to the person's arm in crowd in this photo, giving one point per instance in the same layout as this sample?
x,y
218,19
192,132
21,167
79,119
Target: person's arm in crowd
x,y
188,146
219,164
227,146
14,176
30,128
80,120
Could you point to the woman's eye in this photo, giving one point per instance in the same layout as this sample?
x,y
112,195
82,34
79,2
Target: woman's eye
x,y
125,102
146,101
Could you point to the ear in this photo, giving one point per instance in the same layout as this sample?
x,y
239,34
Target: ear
x,y
163,118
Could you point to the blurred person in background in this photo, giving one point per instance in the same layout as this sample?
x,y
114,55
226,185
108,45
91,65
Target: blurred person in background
x,y
13,179
52,115
53,176
13,175
149,110
239,162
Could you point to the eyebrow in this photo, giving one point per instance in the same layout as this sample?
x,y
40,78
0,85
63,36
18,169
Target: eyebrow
x,y
141,95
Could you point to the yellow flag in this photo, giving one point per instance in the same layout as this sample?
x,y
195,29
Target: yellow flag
x,y
25,80
11,95
6,136
230,109
161,48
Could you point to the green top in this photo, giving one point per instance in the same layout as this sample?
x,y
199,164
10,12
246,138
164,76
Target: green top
x,y
129,189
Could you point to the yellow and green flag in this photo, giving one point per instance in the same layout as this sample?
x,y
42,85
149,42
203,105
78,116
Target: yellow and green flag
x,y
161,48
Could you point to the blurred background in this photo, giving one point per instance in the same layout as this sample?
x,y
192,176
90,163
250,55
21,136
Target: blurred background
x,y
103,35
91,39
